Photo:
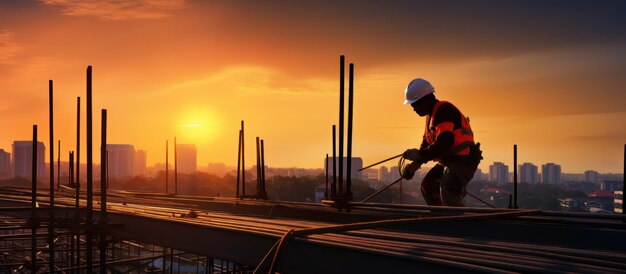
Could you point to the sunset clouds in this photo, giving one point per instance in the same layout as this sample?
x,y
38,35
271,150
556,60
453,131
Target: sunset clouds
x,y
118,10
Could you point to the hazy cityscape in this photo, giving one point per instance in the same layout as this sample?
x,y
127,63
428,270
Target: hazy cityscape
x,y
127,165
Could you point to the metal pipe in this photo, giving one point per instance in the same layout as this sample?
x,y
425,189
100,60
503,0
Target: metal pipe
x,y
33,217
326,173
341,106
349,152
166,167
238,164
381,190
515,176
103,168
258,168
263,169
243,162
624,185
51,215
175,168
334,185
378,163
77,153
89,222
71,169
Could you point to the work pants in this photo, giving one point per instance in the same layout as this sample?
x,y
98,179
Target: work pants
x,y
445,183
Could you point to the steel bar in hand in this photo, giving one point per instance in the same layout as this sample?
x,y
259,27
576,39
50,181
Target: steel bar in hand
x,y
378,163
380,190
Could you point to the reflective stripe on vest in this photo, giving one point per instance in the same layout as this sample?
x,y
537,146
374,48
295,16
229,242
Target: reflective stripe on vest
x,y
463,137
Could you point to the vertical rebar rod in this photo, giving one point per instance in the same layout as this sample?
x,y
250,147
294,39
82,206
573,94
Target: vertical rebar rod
x,y
624,185
514,176
166,166
334,185
258,169
175,167
72,184
326,173
103,170
33,196
71,169
89,247
349,145
341,110
107,169
77,153
264,193
243,162
238,164
51,214
59,164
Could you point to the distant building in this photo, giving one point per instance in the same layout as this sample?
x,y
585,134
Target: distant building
x,y
23,159
370,174
121,160
140,162
551,173
357,163
592,176
498,173
5,164
618,201
612,185
186,158
529,173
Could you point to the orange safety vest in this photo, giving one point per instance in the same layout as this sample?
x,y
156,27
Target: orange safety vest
x,y
463,137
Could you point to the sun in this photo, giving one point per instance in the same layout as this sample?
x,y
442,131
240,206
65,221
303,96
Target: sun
x,y
197,126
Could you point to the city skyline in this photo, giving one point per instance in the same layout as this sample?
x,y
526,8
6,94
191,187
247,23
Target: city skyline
x,y
544,76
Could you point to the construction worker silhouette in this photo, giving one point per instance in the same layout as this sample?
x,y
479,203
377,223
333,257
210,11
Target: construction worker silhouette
x,y
448,140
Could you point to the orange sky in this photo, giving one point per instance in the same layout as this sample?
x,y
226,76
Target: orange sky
x,y
545,76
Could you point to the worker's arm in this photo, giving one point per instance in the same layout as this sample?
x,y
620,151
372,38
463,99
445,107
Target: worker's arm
x,y
442,144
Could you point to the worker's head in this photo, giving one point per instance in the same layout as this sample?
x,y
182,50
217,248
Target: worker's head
x,y
419,94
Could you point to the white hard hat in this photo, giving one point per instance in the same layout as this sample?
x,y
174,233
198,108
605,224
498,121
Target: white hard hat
x,y
417,89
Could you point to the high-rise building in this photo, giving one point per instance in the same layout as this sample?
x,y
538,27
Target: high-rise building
x,y
498,173
23,159
186,158
528,173
121,160
5,164
140,162
592,176
478,175
551,173
357,163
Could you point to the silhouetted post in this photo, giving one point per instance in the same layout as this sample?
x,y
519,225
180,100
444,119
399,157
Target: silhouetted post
x,y
341,107
624,185
167,165
103,168
348,192
334,185
77,155
238,164
107,169
51,214
243,162
515,176
59,164
88,256
71,169
175,168
326,173
34,221
103,191
258,168
263,193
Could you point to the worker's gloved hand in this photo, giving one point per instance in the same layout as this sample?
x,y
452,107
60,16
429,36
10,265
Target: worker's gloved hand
x,y
413,155
410,169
